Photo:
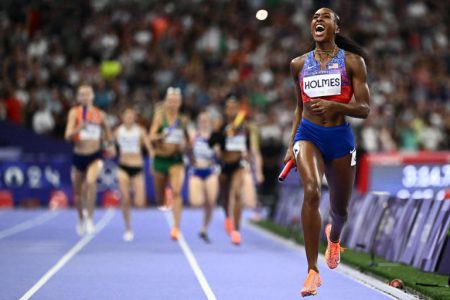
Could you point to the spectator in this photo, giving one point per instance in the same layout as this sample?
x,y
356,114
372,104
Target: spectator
x,y
13,107
408,139
198,46
2,110
30,109
386,140
43,122
430,137
103,95
369,136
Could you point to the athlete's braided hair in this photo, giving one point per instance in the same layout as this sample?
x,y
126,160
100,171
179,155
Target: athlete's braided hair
x,y
347,43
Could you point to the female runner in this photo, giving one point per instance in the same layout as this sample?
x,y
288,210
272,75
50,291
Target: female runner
x,y
87,128
235,147
322,141
130,138
169,139
204,177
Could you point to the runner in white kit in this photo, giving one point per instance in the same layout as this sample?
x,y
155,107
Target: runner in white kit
x,y
131,137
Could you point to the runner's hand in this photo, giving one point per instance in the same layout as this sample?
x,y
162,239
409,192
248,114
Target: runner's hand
x,y
80,127
289,155
321,106
259,177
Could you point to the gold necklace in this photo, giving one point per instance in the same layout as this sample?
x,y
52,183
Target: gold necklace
x,y
329,54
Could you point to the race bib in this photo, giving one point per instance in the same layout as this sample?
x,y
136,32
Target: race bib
x,y
91,132
203,151
129,145
322,85
236,143
175,136
129,140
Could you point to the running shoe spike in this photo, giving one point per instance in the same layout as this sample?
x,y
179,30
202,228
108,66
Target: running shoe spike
x,y
229,225
204,236
333,252
235,237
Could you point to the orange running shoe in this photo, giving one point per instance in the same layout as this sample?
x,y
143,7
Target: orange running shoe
x,y
311,284
175,234
333,252
229,225
235,237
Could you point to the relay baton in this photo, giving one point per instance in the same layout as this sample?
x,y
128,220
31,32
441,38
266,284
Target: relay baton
x,y
172,127
239,119
287,167
84,112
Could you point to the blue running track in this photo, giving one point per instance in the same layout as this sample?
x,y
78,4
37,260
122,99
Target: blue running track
x,y
152,266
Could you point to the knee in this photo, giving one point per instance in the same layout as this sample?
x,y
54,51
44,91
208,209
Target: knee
x,y
176,194
312,194
237,194
90,184
77,193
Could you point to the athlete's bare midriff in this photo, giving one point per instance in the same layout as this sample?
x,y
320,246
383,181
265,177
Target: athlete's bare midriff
x,y
327,121
202,163
87,147
231,156
164,149
131,159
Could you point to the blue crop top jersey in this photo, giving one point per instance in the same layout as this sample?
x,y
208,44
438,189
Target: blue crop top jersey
x,y
332,84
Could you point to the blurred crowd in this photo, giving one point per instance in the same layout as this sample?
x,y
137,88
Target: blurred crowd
x,y
131,51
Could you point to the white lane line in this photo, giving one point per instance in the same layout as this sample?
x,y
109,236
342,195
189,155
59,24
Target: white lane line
x,y
107,217
41,219
193,263
357,276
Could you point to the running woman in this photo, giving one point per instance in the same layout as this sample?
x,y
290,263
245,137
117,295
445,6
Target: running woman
x,y
204,177
130,138
169,139
87,128
322,141
235,147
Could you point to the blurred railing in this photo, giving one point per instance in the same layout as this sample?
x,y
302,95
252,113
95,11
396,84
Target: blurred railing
x,y
402,214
